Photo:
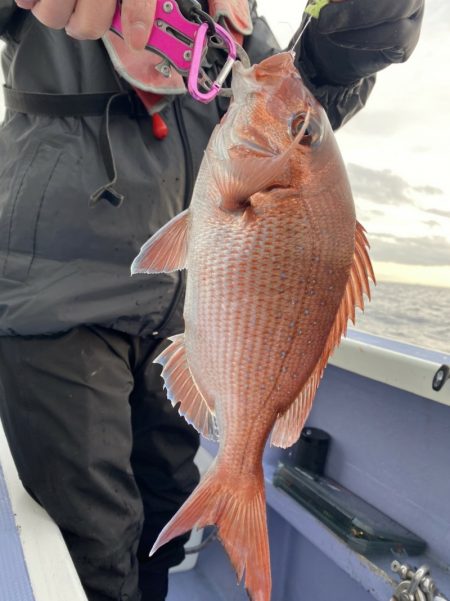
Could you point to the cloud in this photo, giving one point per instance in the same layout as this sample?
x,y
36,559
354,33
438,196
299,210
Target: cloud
x,y
380,186
429,190
438,15
380,122
438,212
432,223
385,187
427,250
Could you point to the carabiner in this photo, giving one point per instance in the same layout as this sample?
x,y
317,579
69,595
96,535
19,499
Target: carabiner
x,y
194,74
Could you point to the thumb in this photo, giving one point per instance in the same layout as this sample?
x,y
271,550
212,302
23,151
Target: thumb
x,y
137,22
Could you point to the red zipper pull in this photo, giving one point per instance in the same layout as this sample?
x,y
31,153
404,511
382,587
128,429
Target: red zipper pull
x,y
159,127
150,100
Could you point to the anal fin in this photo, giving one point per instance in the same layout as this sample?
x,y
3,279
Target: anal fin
x,y
288,426
181,388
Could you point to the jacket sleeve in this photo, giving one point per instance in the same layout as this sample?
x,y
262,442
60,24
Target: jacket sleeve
x,y
7,8
340,102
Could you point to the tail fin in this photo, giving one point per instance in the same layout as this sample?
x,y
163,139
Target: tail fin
x,y
238,508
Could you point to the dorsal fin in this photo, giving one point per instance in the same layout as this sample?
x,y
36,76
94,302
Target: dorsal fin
x,y
181,388
166,250
288,426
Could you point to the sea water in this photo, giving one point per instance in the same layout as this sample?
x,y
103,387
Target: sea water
x,y
418,315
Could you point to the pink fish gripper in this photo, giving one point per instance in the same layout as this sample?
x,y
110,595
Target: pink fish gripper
x,y
183,43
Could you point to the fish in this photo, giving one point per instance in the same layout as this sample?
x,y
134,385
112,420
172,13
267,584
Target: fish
x,y
276,264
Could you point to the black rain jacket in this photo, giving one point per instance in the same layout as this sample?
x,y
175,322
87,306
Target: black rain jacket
x,y
64,263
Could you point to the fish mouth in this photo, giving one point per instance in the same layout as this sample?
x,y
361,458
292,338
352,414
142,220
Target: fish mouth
x,y
263,91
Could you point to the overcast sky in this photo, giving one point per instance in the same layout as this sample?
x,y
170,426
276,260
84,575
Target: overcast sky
x,y
397,151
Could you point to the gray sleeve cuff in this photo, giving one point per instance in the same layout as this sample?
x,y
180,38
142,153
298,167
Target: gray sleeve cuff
x,y
341,102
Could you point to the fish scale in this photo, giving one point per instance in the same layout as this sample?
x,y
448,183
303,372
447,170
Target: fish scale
x,y
241,284
276,263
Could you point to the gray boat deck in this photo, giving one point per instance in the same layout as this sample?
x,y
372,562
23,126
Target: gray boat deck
x,y
390,446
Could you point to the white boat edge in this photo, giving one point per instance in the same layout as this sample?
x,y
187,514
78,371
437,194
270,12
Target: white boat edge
x,y
405,371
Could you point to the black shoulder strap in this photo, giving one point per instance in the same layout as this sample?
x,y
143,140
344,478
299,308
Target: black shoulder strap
x,y
61,105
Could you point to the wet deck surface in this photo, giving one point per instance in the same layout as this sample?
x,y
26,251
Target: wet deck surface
x,y
191,586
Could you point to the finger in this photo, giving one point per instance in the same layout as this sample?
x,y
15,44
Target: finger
x,y
53,13
26,4
91,20
137,21
360,14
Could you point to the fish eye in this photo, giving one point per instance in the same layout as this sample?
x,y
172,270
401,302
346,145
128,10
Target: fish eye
x,y
313,133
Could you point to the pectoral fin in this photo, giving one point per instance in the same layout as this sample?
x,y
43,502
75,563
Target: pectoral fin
x,y
289,425
166,250
239,177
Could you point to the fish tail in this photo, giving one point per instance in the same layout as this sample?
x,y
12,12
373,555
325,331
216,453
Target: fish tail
x,y
238,509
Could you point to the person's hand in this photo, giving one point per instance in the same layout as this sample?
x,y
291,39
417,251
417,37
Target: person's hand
x,y
90,19
352,39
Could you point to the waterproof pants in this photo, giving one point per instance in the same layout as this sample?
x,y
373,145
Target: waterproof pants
x,y
98,445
